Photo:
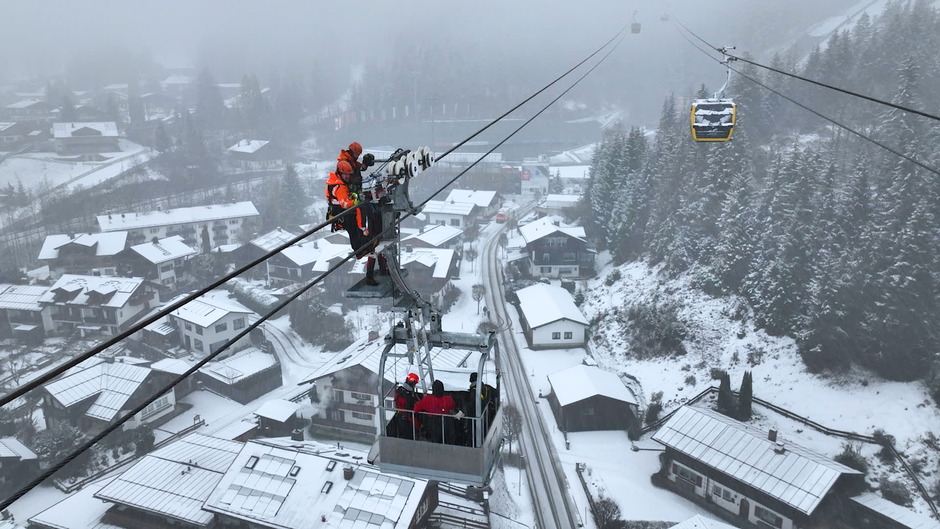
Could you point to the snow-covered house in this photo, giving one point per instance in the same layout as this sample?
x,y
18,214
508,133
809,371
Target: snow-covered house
x,y
167,487
457,214
220,223
90,304
277,485
587,398
244,376
746,472
29,110
163,261
429,269
874,512
305,261
277,418
559,205
207,323
434,236
21,314
555,251
18,464
92,397
254,155
94,254
550,319
84,137
486,202
535,179
262,245
700,522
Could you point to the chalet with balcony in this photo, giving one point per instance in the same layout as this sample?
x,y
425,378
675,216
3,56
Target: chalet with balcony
x,y
90,398
164,261
89,304
556,252
486,202
29,110
86,137
305,261
754,477
207,323
456,214
21,314
93,254
216,225
254,155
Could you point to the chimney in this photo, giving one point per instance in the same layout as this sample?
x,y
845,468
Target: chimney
x,y
348,473
772,436
71,236
409,248
316,245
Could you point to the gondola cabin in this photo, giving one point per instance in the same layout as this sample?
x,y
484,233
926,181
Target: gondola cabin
x,y
635,26
713,119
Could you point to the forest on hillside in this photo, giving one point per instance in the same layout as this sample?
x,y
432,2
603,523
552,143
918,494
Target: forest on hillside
x,y
830,238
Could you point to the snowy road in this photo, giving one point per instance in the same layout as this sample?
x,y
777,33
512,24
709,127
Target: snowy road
x,y
553,504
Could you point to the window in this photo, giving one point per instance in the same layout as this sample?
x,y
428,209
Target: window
x,y
294,471
154,230
188,326
197,343
545,270
546,257
222,327
362,416
455,222
168,281
238,324
687,475
198,330
722,492
556,336
252,461
233,221
326,487
587,411
155,406
768,517
361,396
166,267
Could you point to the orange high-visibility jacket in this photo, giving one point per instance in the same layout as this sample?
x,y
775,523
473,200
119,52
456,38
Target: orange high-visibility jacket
x,y
339,197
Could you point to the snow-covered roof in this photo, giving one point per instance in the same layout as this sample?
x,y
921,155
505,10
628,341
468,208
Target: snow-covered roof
x,y
4,125
105,244
226,248
581,382
21,297
175,480
79,509
205,311
116,86
248,146
276,486
903,516
483,199
543,304
700,522
177,79
105,129
113,383
278,410
274,238
793,475
11,448
320,252
163,250
439,259
26,103
240,365
113,291
560,201
573,172
544,227
435,235
448,208
174,366
150,219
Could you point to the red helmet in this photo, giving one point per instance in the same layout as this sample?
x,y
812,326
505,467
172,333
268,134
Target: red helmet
x,y
412,378
355,148
344,167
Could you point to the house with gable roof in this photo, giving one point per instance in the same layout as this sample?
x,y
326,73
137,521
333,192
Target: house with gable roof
x,y
29,110
21,314
456,214
435,236
94,254
164,261
207,323
262,245
220,222
752,476
555,251
587,398
243,376
86,137
486,202
254,155
550,319
305,261
18,464
90,304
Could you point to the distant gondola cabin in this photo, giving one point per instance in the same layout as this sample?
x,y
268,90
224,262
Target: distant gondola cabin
x,y
587,398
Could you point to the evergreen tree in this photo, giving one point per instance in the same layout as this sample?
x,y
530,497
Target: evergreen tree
x,y
292,208
726,402
114,114
204,238
745,397
161,140
67,110
210,109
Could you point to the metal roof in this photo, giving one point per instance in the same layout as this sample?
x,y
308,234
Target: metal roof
x,y
107,129
164,249
105,244
543,304
793,475
21,297
482,199
170,217
436,234
113,383
238,366
438,260
448,208
700,522
286,488
248,146
205,311
81,286
278,410
895,512
543,227
581,382
11,448
175,480
274,238
79,509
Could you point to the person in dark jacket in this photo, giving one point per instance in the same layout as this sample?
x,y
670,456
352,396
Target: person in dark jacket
x,y
440,429
371,216
406,397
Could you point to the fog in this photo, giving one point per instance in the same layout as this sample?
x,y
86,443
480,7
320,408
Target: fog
x,y
104,41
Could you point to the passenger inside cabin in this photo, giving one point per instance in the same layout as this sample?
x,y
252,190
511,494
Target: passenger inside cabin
x,y
439,414
404,423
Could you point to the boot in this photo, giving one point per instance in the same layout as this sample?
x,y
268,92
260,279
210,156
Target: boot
x,y
383,265
370,272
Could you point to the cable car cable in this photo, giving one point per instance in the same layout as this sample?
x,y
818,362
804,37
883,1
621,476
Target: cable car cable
x,y
811,81
166,389
819,114
53,373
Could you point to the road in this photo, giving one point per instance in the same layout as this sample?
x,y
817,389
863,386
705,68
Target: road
x,y
548,485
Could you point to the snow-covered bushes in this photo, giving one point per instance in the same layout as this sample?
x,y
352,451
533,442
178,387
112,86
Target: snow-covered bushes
x,y
851,456
252,296
653,328
895,491
654,409
449,296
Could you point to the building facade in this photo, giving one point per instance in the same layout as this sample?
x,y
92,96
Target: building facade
x,y
164,261
93,254
550,319
206,324
456,214
90,305
85,137
557,252
214,225
254,155
587,398
21,314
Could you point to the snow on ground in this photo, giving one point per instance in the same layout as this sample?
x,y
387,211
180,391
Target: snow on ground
x,y
35,501
206,404
42,169
510,501
110,171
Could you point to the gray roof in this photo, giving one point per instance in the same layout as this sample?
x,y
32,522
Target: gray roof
x,y
795,476
700,522
175,480
113,383
11,448
895,512
21,297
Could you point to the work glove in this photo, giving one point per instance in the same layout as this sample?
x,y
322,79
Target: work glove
x,y
459,415
365,231
368,160
355,198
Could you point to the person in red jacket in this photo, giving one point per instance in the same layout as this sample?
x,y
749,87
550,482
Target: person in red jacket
x,y
439,429
407,425
371,214
352,155
341,194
